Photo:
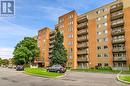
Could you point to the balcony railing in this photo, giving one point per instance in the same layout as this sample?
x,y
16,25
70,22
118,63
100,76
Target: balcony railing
x,y
117,15
51,42
119,49
84,59
52,33
84,31
118,32
82,45
82,52
117,23
82,25
116,41
122,58
84,38
51,46
82,19
116,7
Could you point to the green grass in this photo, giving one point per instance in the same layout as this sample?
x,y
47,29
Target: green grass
x,y
125,78
100,71
41,72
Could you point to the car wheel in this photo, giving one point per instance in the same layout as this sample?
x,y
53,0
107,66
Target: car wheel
x,y
48,71
58,71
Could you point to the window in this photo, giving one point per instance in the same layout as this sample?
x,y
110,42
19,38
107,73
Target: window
x,y
105,16
105,55
70,16
70,50
70,29
71,22
98,26
99,47
70,56
70,43
105,39
99,33
61,20
99,64
105,31
99,40
105,9
98,12
105,64
70,36
98,19
99,55
61,25
105,24
105,47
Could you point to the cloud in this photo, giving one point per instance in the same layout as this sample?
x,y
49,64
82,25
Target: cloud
x,y
6,52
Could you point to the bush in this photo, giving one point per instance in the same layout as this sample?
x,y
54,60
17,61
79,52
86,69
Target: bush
x,y
104,68
26,65
68,68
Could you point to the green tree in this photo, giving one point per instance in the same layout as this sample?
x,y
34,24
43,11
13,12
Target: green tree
x,y
5,62
59,54
0,61
26,51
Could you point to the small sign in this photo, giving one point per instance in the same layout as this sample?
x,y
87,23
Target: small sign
x,y
7,8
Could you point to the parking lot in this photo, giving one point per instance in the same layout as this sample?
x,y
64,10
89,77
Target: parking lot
x,y
10,77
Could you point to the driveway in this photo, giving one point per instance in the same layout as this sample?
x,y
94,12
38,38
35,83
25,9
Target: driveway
x,y
10,77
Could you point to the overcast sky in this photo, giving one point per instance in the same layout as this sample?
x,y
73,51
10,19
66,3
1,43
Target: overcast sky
x,y
32,15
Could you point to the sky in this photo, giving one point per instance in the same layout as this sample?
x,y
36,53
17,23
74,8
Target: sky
x,y
32,15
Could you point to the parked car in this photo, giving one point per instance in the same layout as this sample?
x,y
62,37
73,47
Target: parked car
x,y
20,68
56,68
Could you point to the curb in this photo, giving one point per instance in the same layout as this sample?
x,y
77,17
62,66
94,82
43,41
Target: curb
x,y
31,74
59,76
126,82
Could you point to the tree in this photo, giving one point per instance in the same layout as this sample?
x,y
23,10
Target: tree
x,y
5,62
0,61
26,51
59,54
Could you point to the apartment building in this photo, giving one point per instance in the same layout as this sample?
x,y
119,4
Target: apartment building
x,y
43,44
96,38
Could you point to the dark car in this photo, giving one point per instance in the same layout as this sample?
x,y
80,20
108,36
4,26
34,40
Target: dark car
x,y
20,68
56,68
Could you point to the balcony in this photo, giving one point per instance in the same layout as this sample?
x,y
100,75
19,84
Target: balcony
x,y
50,56
51,42
82,32
83,38
52,37
117,23
82,19
119,49
52,33
51,46
82,25
117,15
84,59
118,32
116,7
117,41
81,52
82,45
119,58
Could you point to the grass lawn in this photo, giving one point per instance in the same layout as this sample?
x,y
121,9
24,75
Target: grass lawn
x,y
41,72
125,78
101,71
